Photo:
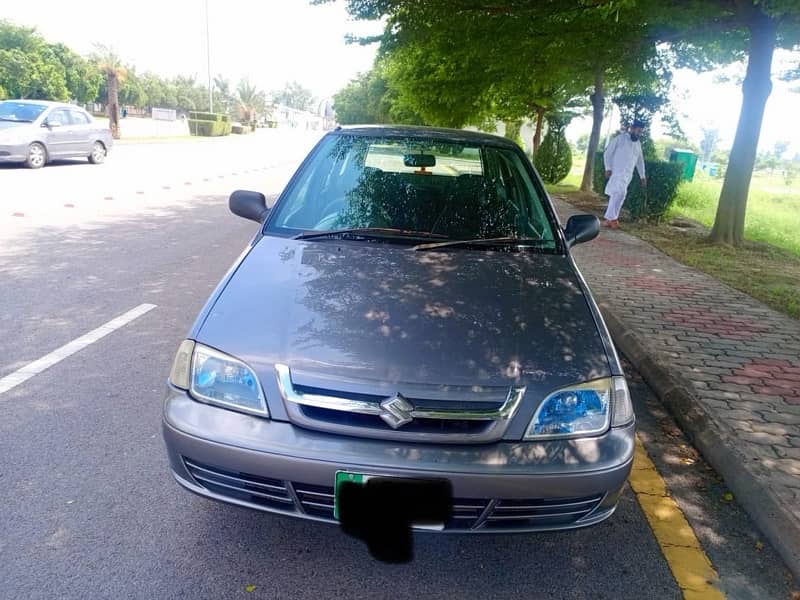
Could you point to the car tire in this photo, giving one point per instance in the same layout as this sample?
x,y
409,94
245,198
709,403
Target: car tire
x,y
98,153
37,156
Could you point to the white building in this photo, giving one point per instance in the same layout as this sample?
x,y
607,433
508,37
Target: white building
x,y
288,117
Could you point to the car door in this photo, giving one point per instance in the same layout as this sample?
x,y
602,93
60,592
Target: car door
x,y
60,137
83,131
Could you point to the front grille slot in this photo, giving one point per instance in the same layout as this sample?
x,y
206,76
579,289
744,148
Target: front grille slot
x,y
433,426
531,513
316,500
263,491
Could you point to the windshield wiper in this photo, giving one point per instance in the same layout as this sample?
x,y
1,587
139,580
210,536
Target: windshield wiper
x,y
370,233
499,242
15,120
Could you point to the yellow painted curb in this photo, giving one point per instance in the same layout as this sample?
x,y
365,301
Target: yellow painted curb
x,y
682,550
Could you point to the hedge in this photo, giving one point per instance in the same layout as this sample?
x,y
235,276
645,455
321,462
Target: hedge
x,y
209,124
208,128
663,179
207,116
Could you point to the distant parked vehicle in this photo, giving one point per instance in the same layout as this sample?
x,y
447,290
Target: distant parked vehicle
x,y
35,132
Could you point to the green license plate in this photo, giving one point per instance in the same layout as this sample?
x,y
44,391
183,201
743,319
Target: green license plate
x,y
341,477
361,479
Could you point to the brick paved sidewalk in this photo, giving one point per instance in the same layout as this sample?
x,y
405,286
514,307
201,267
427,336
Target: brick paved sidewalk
x,y
736,362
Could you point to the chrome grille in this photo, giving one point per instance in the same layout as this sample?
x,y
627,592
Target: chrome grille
x,y
539,512
316,500
477,514
466,416
262,491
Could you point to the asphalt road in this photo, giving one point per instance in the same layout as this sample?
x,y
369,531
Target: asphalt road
x,y
89,509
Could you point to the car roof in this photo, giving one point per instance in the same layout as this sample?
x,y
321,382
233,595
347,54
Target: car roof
x,y
48,103
443,134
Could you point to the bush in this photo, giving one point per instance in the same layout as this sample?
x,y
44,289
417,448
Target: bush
x,y
553,159
663,179
209,124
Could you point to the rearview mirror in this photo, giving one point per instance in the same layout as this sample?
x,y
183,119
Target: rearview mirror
x,y
250,205
51,124
419,160
581,228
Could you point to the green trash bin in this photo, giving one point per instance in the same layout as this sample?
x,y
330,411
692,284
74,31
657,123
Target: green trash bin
x,y
688,159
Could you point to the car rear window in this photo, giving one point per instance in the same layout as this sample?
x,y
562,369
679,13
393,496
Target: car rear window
x,y
461,191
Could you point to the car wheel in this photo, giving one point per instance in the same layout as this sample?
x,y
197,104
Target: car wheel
x,y
98,154
37,156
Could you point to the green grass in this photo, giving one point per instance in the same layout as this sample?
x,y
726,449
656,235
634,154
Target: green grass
x,y
773,208
570,183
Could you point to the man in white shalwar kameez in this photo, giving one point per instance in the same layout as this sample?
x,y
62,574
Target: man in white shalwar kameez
x,y
624,152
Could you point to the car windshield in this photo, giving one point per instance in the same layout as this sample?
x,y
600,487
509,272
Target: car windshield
x,y
451,190
20,111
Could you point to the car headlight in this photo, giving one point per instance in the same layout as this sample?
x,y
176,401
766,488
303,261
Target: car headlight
x,y
217,378
582,410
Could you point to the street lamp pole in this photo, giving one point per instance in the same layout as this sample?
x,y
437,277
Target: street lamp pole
x,y
208,61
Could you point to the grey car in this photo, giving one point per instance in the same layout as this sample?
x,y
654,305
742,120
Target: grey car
x,y
407,309
34,132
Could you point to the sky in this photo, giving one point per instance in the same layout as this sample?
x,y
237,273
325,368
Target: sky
x,y
277,41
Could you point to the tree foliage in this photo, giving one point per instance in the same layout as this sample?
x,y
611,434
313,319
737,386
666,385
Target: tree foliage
x,y
251,100
553,160
364,100
455,55
294,95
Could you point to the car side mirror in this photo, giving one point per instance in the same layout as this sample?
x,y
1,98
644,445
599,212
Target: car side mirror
x,y
249,205
581,228
51,124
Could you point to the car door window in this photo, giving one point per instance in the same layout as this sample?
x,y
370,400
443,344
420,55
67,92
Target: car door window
x,y
58,116
76,117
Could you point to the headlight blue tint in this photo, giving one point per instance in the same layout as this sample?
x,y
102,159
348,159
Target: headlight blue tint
x,y
221,379
574,412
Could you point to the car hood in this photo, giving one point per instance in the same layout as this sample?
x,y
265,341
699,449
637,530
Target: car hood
x,y
7,126
363,311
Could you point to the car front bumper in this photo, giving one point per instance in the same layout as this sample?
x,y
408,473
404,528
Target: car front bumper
x,y
13,152
502,487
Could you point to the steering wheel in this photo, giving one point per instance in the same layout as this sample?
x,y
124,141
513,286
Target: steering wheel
x,y
331,211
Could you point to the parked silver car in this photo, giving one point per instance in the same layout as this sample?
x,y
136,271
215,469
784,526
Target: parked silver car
x,y
408,309
34,132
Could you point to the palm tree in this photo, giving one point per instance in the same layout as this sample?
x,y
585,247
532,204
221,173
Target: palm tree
x,y
251,100
110,65
223,87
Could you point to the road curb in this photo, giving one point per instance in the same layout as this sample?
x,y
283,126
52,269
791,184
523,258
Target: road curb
x,y
713,439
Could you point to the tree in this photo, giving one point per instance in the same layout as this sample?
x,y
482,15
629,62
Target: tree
x,y
294,95
706,33
251,100
519,53
82,79
156,91
223,96
29,67
554,158
364,100
111,67
131,91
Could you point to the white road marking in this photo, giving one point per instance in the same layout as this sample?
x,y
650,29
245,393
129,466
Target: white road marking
x,y
48,360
